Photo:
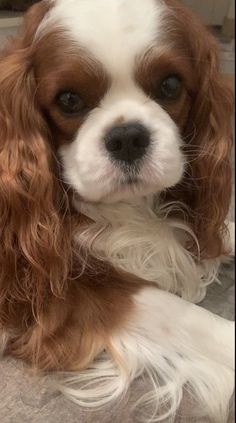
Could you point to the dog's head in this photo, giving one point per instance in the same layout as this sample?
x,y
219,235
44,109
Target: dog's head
x,y
119,99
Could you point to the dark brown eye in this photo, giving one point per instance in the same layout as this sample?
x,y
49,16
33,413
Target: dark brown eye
x,y
70,103
170,88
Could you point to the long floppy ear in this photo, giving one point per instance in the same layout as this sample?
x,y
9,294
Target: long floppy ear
x,y
206,187
209,152
35,245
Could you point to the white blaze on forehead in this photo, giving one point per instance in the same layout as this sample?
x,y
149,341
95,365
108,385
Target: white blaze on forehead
x,y
114,31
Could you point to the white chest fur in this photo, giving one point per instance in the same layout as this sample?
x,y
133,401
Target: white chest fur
x,y
144,242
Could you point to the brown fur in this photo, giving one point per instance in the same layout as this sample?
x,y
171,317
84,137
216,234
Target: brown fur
x,y
70,331
81,74
61,313
154,67
206,187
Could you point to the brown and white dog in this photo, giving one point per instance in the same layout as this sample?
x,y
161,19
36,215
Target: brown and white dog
x,y
115,184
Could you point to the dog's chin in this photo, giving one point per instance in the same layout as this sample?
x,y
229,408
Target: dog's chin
x,y
129,191
115,186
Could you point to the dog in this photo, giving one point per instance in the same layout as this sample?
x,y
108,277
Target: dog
x,y
115,186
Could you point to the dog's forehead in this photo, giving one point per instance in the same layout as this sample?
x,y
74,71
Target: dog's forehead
x,y
114,31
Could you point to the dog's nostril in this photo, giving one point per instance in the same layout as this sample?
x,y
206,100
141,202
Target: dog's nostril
x,y
127,143
114,144
141,141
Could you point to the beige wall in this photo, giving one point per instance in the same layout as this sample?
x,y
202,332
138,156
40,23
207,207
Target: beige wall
x,y
231,10
212,12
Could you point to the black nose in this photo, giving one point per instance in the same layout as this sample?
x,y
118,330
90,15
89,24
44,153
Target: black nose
x,y
127,143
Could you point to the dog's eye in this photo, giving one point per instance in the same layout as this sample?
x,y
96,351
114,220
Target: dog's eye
x,y
170,88
70,103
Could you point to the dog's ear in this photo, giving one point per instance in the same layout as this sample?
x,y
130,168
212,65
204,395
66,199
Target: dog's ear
x,y
35,246
206,186
209,153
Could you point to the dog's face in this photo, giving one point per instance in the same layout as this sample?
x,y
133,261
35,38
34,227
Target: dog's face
x,y
116,94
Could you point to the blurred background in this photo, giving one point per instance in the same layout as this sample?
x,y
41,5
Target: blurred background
x,y
220,16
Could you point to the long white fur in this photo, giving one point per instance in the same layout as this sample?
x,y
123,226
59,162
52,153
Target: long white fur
x,y
140,239
176,345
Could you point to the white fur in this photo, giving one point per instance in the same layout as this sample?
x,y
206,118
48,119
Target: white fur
x,y
4,339
139,238
176,345
115,32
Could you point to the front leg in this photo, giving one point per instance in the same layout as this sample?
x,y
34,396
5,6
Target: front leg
x,y
178,346
184,345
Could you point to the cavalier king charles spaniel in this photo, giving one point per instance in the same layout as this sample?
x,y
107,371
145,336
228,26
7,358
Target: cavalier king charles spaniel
x,y
115,186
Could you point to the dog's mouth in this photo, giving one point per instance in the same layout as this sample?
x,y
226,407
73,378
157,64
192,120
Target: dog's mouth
x,y
128,188
128,184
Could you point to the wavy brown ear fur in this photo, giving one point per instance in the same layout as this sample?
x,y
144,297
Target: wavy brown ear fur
x,y
209,152
35,243
206,187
